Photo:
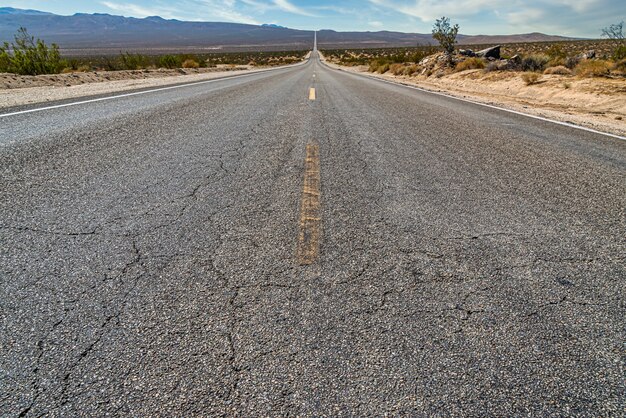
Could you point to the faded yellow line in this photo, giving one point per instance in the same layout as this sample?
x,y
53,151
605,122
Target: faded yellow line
x,y
312,93
310,209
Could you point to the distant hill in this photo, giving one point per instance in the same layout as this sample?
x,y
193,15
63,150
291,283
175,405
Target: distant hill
x,y
12,11
103,33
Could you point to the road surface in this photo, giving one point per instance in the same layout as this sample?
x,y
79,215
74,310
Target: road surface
x,y
309,242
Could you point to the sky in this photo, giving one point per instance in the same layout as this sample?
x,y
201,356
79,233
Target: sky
x,y
581,18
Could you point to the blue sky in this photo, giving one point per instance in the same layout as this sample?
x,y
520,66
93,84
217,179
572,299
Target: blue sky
x,y
561,17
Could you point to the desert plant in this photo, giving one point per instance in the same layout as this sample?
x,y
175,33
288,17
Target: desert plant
x,y
410,70
445,34
169,61
189,63
558,70
535,62
572,62
531,78
470,64
133,61
619,66
615,33
397,69
592,68
28,56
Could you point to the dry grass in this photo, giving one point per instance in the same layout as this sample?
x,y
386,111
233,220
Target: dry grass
x,y
558,70
470,64
592,68
531,78
191,64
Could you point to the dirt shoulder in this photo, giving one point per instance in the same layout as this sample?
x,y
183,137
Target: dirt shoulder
x,y
597,103
17,90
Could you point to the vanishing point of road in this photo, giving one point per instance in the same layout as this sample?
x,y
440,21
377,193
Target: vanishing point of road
x,y
308,242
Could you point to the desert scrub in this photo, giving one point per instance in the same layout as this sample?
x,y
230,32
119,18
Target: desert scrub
x,y
558,70
397,69
530,78
27,56
535,62
134,61
619,67
592,68
191,64
410,70
470,64
169,61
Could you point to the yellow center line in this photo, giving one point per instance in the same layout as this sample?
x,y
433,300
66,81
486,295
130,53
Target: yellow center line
x,y
310,208
312,93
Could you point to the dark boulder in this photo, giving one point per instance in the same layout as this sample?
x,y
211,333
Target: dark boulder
x,y
467,52
493,52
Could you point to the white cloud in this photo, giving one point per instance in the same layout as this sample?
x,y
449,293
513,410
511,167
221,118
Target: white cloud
x,y
286,6
137,11
198,10
376,24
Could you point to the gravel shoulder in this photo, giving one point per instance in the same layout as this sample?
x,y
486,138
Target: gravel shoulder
x,y
593,103
17,90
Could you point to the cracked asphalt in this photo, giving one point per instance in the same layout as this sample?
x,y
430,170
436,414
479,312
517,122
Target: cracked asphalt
x,y
471,263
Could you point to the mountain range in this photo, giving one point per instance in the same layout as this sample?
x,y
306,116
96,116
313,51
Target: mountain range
x,y
83,32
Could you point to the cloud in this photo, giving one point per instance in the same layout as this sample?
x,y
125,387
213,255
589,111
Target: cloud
x,y
376,24
281,5
137,11
220,10
567,17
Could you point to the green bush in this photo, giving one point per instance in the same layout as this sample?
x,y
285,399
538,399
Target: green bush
x,y
134,61
28,56
170,61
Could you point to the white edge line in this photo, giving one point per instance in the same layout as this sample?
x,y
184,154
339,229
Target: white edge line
x,y
516,112
119,96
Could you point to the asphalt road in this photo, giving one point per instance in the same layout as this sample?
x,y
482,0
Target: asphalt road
x,y
235,248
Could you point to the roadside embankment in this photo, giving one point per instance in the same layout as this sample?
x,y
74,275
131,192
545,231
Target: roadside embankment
x,y
19,90
598,103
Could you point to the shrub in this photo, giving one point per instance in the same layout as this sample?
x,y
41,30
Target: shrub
x,y
619,52
470,64
531,78
383,68
572,62
592,68
28,56
558,70
535,62
619,66
133,61
615,33
169,61
445,34
191,64
410,70
396,69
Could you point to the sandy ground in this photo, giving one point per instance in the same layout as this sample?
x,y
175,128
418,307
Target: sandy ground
x,y
16,90
596,103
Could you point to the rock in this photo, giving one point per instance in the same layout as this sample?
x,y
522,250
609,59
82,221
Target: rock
x,y
591,54
467,52
493,52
